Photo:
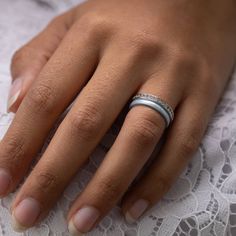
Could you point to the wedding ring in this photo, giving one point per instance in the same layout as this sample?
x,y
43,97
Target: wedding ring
x,y
156,103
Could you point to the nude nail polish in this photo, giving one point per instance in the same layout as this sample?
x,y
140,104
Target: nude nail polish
x,y
25,214
14,93
136,210
83,220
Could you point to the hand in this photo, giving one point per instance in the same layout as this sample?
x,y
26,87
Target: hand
x,y
108,50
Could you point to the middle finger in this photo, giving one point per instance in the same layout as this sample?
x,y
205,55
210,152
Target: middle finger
x,y
96,108
54,89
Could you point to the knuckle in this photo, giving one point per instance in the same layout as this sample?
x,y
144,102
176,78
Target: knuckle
x,y
41,98
62,21
209,87
46,181
85,122
109,190
94,24
12,152
189,62
21,59
56,21
190,142
186,62
163,184
18,57
145,130
143,43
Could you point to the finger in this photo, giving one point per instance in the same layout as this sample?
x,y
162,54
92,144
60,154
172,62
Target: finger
x,y
182,141
28,61
92,114
139,134
53,91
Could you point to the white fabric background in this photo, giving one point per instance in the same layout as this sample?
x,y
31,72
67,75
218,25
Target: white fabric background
x,y
203,200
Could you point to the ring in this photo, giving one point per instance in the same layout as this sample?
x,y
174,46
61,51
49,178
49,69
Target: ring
x,y
155,103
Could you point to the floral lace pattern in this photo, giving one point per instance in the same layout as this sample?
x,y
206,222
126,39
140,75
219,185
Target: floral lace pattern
x,y
201,202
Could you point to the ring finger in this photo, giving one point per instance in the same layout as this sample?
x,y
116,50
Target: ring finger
x,y
139,134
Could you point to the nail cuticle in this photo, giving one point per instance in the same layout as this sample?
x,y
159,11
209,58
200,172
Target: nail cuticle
x,y
25,214
83,220
136,210
16,225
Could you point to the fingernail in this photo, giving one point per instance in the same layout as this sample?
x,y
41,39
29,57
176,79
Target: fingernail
x,y
5,180
83,221
25,214
14,93
136,210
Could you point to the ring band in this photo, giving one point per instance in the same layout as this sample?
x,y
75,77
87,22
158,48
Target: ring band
x,y
157,99
155,103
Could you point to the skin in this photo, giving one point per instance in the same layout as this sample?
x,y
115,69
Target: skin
x,y
109,50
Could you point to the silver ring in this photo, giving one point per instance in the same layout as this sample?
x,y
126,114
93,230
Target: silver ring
x,y
155,103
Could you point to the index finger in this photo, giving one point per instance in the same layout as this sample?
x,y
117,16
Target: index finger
x,y
54,89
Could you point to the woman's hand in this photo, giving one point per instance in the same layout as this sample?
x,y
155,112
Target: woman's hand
x,y
181,51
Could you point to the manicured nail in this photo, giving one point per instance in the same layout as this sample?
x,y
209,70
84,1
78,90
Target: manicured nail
x,y
14,93
83,221
5,180
25,214
136,210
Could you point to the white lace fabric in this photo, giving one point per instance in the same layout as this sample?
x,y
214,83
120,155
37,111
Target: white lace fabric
x,y
201,202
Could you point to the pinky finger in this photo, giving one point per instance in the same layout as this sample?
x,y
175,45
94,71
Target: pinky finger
x,y
182,141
